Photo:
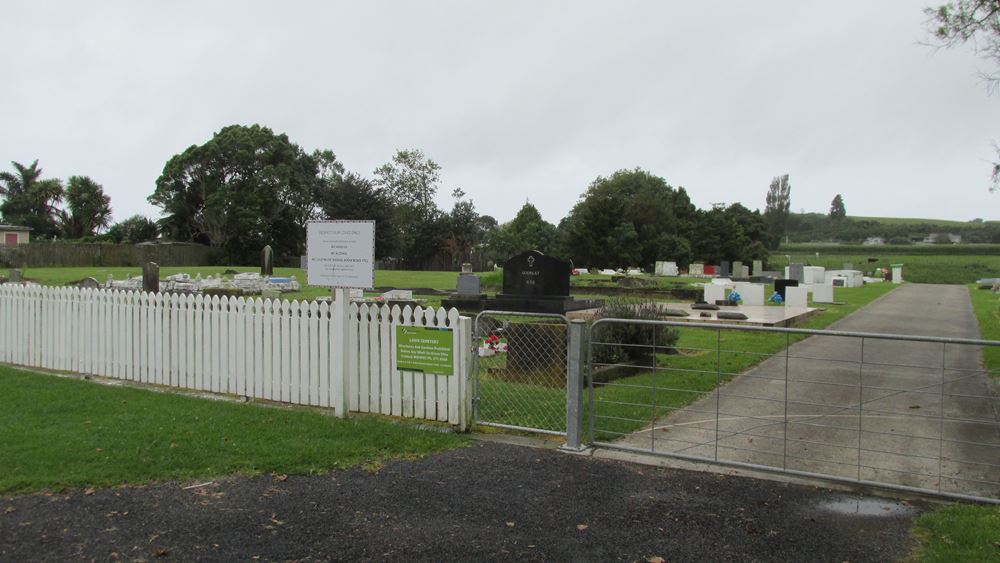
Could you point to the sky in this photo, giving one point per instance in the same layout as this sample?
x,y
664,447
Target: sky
x,y
517,101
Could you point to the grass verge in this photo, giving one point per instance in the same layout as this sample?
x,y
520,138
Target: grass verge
x,y
986,306
59,433
958,532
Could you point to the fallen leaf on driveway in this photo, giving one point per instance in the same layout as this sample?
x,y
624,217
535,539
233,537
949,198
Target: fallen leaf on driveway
x,y
582,527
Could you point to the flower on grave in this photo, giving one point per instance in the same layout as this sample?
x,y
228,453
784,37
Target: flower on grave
x,y
492,341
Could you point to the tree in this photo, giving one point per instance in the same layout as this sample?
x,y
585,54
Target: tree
x,y
133,230
630,218
29,200
410,181
778,205
527,231
89,208
976,21
244,188
837,210
352,197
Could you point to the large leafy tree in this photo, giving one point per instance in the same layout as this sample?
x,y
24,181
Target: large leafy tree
x,y
630,218
29,200
244,188
411,180
350,196
837,209
465,229
729,233
778,204
976,22
135,229
527,231
88,208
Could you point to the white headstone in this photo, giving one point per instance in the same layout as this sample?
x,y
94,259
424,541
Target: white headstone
x,y
744,272
696,269
758,267
823,293
752,293
714,292
796,297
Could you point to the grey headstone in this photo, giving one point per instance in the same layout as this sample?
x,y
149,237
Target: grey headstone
x,y
724,269
15,275
304,262
267,261
151,278
737,269
466,268
758,267
797,272
468,285
89,283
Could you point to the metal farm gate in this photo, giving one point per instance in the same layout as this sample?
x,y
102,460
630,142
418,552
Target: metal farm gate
x,y
905,412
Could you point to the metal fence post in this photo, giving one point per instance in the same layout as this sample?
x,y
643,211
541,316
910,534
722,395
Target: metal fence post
x,y
576,353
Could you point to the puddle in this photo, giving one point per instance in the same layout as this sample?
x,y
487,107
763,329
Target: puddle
x,y
855,506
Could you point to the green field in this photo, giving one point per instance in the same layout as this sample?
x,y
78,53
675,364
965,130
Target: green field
x,y
914,221
61,432
947,269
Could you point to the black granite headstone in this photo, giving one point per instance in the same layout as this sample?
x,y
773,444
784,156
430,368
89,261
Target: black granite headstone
x,y
536,283
533,274
780,285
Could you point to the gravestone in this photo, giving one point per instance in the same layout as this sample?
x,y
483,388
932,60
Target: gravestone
x,y
467,285
737,269
752,293
744,272
823,293
714,292
89,283
468,294
796,296
723,270
797,272
151,278
466,268
696,269
780,285
15,275
303,262
758,267
536,283
267,261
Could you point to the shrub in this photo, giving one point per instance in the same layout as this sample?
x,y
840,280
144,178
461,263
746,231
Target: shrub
x,y
618,343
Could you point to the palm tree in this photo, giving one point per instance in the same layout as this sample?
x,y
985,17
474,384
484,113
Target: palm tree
x,y
29,200
13,185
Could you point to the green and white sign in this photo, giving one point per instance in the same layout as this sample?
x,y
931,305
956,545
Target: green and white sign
x,y
424,349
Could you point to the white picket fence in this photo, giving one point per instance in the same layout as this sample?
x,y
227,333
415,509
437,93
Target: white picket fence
x,y
281,351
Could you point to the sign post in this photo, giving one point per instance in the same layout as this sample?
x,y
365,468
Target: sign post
x,y
341,255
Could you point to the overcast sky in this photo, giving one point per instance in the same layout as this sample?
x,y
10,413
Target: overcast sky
x,y
517,101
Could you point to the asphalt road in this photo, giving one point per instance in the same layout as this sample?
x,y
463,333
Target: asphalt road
x,y
879,420
485,502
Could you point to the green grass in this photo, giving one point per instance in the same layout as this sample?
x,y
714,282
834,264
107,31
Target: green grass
x,y
383,278
914,221
985,305
917,268
59,433
958,532
630,402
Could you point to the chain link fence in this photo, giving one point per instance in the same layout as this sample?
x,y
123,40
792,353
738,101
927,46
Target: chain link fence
x,y
521,371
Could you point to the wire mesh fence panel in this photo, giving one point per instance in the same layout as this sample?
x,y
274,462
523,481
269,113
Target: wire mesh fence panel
x,y
521,370
906,412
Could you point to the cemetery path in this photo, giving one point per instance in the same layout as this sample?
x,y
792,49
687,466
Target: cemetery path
x,y
818,424
489,501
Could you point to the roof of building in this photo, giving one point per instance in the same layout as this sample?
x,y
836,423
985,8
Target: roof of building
x,y
14,228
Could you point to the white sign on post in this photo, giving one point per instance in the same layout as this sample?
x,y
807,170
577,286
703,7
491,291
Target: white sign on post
x,y
341,253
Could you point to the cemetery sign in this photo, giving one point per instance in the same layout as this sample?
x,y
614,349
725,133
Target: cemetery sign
x,y
341,253
425,349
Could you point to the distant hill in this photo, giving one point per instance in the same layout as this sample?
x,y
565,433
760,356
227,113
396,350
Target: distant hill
x,y
916,221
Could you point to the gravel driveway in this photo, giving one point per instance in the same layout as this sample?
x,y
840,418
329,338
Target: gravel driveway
x,y
487,501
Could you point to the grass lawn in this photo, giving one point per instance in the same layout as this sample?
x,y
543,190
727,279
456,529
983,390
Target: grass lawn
x,y
632,402
957,269
986,304
57,432
958,532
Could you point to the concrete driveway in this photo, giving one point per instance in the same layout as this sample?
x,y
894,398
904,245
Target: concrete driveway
x,y
911,413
